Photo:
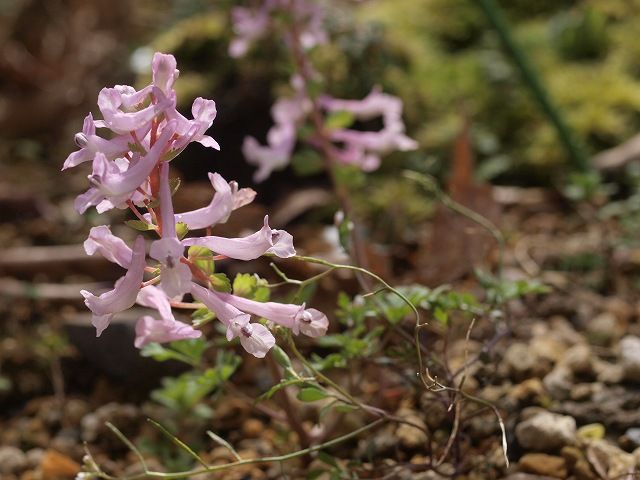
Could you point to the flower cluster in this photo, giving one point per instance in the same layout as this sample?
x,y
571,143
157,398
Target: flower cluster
x,y
348,147
131,170
249,25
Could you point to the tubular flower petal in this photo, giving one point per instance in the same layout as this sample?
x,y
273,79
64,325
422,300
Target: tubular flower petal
x,y
175,275
149,330
309,321
167,329
204,113
110,247
90,144
164,72
226,199
254,337
117,181
265,240
117,106
153,297
124,293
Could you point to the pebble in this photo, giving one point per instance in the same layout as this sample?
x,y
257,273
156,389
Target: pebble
x,y
610,461
543,464
577,463
603,329
633,435
630,357
578,359
411,437
519,360
559,382
252,428
12,460
546,431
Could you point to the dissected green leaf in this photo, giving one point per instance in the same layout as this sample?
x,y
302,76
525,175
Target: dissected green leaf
x,y
202,258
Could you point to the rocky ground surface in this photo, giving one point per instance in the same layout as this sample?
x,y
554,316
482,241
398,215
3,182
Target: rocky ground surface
x,y
564,374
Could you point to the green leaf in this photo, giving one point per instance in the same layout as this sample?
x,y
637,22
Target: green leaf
x,y
202,316
140,225
441,316
339,119
162,354
311,394
202,258
328,459
344,408
245,284
220,282
181,230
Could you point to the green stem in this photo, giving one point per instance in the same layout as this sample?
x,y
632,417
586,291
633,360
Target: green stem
x,y
572,144
249,461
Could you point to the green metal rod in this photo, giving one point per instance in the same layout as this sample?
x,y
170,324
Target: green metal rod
x,y
571,143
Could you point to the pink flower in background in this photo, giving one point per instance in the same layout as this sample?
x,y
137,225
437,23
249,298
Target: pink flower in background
x,y
123,296
175,276
265,240
363,148
288,114
249,25
255,338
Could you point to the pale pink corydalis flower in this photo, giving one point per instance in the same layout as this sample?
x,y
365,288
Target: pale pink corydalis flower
x,y
123,296
167,329
255,338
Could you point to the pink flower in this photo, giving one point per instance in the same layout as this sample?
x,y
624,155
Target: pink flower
x,y
123,295
119,107
149,330
175,275
248,25
226,199
204,113
255,338
266,240
364,148
309,321
90,144
118,180
164,72
287,114
110,247
167,329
